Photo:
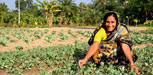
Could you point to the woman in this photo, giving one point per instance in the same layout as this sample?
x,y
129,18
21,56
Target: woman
x,y
110,43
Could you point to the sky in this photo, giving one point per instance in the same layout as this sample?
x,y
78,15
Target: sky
x,y
11,3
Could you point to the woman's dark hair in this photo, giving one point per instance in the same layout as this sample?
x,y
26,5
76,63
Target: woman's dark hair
x,y
111,13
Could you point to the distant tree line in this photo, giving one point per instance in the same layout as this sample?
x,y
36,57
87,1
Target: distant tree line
x,y
67,13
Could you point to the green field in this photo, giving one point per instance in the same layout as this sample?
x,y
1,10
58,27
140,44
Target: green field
x,y
62,59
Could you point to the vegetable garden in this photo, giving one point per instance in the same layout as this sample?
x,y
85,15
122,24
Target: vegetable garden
x,y
62,58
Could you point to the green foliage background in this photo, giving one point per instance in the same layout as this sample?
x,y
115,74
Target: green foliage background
x,y
131,12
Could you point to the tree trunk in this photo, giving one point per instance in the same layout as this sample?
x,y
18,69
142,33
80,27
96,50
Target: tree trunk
x,y
65,22
2,20
46,14
71,23
146,12
146,15
50,20
128,22
61,19
47,17
77,22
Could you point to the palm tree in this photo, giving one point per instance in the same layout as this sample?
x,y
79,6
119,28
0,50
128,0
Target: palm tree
x,y
83,8
50,8
98,4
3,10
68,10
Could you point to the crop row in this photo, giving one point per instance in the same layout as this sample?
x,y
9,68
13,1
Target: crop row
x,y
85,34
37,34
62,59
28,35
4,42
139,39
148,31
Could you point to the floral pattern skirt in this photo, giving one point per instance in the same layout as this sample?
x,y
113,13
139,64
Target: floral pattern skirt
x,y
112,56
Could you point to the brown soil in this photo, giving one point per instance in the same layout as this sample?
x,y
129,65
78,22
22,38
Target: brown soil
x,y
138,28
57,40
142,45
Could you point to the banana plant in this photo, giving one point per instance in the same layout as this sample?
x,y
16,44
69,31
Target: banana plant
x,y
136,21
50,8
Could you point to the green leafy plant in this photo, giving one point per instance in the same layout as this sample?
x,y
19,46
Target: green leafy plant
x,y
62,36
2,42
19,47
65,57
50,37
139,39
71,33
85,34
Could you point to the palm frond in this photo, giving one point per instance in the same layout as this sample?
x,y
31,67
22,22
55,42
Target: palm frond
x,y
53,6
56,10
37,5
39,2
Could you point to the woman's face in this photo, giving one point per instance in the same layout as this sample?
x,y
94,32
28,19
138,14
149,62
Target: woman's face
x,y
110,23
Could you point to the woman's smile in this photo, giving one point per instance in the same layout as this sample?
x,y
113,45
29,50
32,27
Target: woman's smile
x,y
110,23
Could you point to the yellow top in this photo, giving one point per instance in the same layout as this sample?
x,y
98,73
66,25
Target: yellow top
x,y
100,35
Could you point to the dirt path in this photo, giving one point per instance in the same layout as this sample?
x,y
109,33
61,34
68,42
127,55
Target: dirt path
x,y
57,40
142,45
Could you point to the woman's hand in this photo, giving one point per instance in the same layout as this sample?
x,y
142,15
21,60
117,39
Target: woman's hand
x,y
126,50
82,62
133,67
91,51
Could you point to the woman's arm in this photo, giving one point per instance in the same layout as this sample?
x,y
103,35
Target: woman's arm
x,y
91,51
126,50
